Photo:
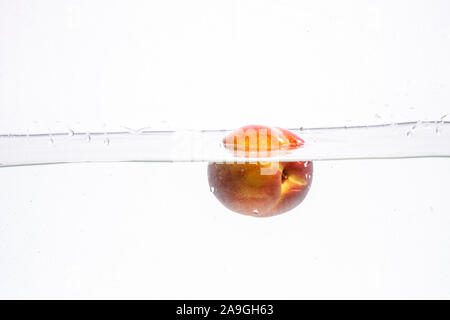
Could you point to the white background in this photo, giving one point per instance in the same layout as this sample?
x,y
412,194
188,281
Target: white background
x,y
368,229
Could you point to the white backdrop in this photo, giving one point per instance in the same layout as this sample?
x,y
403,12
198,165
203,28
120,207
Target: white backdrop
x,y
368,229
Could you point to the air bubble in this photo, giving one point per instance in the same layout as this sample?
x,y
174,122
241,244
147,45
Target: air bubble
x,y
256,211
106,138
212,189
306,164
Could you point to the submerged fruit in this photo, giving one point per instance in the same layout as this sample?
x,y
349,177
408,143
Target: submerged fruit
x,y
260,189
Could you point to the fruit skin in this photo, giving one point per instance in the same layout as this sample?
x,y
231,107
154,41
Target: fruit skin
x,y
260,189
242,188
258,138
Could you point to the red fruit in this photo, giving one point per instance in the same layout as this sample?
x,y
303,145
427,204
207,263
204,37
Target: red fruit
x,y
260,189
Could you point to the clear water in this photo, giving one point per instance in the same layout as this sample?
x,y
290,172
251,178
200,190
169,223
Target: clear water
x,y
395,140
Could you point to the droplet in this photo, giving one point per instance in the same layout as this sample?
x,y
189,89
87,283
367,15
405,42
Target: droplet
x,y
211,189
408,134
70,133
106,141
88,137
51,140
415,126
377,116
443,117
418,124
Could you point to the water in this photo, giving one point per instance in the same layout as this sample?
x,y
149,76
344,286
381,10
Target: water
x,y
394,140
